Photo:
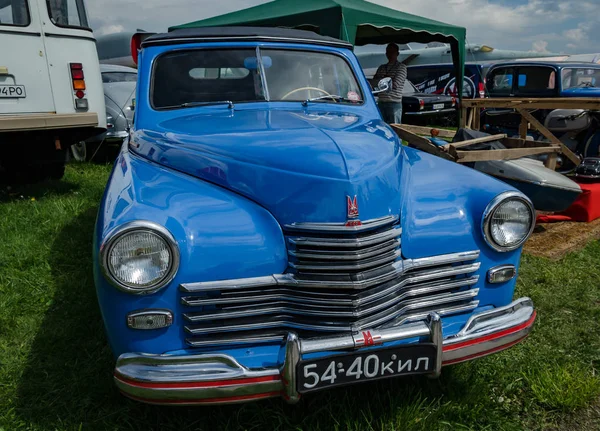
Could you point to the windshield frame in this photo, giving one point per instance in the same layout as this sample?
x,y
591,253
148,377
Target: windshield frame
x,y
81,13
28,22
564,69
259,55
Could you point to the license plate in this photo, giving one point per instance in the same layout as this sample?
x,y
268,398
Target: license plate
x,y
12,91
438,106
341,370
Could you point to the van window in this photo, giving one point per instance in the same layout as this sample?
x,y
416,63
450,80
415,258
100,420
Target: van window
x,y
14,12
68,13
580,77
536,80
500,81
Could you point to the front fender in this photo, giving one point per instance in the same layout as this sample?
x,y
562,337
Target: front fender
x,y
442,208
220,235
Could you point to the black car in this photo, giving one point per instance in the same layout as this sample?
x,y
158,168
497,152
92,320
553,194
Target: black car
x,y
416,104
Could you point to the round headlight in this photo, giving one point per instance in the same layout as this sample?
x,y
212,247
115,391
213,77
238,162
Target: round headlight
x,y
508,221
140,257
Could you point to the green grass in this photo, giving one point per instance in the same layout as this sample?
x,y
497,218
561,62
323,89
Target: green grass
x,y
55,366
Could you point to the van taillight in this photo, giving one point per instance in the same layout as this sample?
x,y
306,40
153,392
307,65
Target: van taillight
x,y
77,77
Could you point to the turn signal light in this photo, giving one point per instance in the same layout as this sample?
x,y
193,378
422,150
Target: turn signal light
x,y
78,84
501,274
149,319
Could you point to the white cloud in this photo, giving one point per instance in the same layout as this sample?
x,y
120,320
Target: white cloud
x,y
540,46
109,29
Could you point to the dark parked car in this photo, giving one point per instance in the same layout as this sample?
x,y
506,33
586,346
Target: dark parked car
x,y
440,79
119,93
416,103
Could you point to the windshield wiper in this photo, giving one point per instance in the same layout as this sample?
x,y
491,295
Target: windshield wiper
x,y
331,96
229,103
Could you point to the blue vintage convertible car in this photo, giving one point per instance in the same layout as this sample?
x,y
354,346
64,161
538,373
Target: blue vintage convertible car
x,y
264,233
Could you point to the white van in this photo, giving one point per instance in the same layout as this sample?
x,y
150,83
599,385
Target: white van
x,y
51,93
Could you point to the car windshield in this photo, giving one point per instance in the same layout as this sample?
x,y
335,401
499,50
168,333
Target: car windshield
x,y
192,77
580,77
109,77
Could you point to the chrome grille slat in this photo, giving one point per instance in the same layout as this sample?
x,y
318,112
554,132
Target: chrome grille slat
x,y
331,299
347,242
340,280
361,280
345,255
341,265
284,321
326,308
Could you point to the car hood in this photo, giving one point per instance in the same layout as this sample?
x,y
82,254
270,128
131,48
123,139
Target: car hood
x,y
301,166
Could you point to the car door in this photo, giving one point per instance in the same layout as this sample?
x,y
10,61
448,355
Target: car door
x,y
24,76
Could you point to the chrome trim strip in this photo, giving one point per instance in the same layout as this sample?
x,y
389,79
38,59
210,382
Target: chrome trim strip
x,y
363,279
185,368
341,227
347,242
489,211
435,329
142,226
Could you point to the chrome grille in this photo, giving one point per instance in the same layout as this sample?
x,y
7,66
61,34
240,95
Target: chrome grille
x,y
337,282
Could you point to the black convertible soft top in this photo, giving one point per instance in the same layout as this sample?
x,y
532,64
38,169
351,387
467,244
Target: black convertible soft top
x,y
234,33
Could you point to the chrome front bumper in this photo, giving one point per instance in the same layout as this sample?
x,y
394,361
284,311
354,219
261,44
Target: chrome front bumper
x,y
219,379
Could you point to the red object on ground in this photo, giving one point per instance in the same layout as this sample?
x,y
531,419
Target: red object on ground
x,y
586,208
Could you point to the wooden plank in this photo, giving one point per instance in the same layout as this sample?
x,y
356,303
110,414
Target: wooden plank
x,y
550,161
476,119
534,103
540,128
421,143
523,128
509,154
463,117
426,131
470,119
476,141
523,143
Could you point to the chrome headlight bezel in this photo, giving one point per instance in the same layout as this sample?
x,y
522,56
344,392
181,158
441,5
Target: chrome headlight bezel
x,y
489,212
139,226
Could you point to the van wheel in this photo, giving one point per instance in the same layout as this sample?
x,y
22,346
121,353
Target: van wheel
x,y
79,151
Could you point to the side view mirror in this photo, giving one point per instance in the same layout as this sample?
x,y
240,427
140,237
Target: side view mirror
x,y
383,86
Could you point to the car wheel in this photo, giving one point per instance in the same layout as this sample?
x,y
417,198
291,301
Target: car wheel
x,y
79,151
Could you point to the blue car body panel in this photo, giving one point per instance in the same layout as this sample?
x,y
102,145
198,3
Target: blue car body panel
x,y
225,182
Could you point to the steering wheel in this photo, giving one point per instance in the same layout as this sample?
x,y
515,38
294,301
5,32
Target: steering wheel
x,y
308,88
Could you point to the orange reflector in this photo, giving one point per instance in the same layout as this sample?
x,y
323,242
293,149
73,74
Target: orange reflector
x,y
78,84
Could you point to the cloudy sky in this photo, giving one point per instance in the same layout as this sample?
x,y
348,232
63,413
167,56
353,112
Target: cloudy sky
x,y
561,26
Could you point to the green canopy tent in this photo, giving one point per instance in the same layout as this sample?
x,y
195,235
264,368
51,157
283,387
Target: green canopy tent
x,y
356,21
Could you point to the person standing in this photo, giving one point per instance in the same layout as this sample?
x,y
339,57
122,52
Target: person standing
x,y
390,103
